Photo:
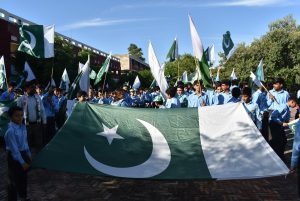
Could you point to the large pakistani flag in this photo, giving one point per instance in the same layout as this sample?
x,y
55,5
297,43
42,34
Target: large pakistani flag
x,y
103,69
2,74
200,58
161,144
37,40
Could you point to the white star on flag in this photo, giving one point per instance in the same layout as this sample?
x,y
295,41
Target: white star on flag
x,y
110,133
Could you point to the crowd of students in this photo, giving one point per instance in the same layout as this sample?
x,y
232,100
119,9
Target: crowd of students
x,y
40,113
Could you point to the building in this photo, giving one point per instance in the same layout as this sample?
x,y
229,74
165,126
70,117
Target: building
x,y
9,42
131,63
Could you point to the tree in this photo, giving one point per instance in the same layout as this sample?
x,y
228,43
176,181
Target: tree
x,y
186,62
280,49
134,50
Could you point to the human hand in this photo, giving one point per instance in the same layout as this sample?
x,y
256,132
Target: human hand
x,y
285,124
25,166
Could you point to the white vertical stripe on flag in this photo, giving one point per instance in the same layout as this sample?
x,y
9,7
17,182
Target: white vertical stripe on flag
x,y
234,148
49,41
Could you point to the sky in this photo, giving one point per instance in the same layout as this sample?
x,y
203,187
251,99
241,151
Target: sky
x,y
112,25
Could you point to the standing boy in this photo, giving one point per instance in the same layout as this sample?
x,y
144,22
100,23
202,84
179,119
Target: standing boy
x,y
18,155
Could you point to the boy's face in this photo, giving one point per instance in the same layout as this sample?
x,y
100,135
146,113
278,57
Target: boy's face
x,y
179,91
197,87
246,98
10,89
225,87
17,117
292,104
219,89
277,86
38,90
81,98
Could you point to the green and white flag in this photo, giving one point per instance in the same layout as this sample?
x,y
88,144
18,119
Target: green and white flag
x,y
173,52
2,74
37,40
218,75
30,75
161,144
74,87
157,71
255,80
199,56
233,75
65,81
93,75
137,83
227,44
103,70
4,119
184,77
260,71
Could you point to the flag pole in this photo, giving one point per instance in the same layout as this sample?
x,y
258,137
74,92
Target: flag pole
x,y
104,83
178,70
269,92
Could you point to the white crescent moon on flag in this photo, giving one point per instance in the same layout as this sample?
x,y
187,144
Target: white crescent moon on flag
x,y
32,40
158,161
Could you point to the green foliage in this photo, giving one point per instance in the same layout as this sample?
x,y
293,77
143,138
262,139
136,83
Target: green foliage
x,y
185,62
146,78
280,49
134,50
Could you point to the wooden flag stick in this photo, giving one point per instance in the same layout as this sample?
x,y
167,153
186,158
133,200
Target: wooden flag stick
x,y
104,83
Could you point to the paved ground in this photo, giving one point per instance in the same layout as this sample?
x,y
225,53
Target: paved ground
x,y
44,185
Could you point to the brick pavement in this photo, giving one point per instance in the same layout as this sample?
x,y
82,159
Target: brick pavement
x,y
45,185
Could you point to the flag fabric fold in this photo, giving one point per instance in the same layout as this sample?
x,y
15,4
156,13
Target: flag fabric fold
x,y
233,75
260,71
173,52
65,81
200,59
103,70
139,143
30,75
37,40
255,80
227,44
2,74
157,71
137,83
84,81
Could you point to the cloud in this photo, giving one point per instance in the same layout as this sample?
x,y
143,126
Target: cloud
x,y
98,22
193,4
248,3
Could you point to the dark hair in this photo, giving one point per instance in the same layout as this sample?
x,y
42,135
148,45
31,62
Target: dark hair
x,y
247,91
13,109
292,98
81,93
171,91
181,87
179,83
12,84
198,82
234,82
156,88
278,80
226,82
236,92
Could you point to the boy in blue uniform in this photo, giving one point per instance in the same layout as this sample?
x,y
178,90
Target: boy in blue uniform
x,y
250,107
181,96
278,96
172,101
18,155
198,98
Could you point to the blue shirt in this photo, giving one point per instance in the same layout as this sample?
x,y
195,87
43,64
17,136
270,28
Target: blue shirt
x,y
281,114
172,103
211,95
223,98
183,99
8,96
16,141
253,112
234,100
281,96
260,98
50,108
197,101
296,146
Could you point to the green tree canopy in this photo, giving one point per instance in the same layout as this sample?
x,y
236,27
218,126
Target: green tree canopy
x,y
280,49
134,50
